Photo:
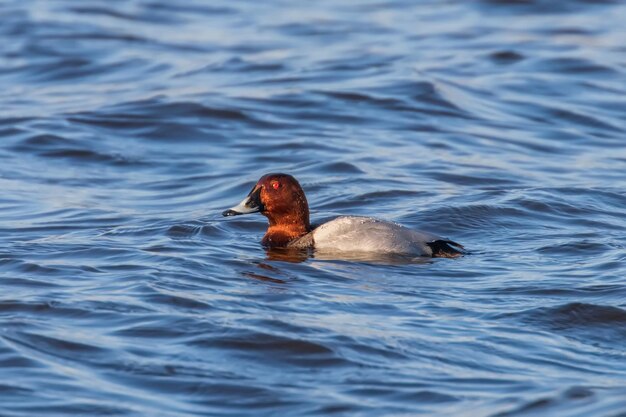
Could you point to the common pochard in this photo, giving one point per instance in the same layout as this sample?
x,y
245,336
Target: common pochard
x,y
280,198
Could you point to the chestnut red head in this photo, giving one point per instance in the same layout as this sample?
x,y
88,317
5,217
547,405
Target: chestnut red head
x,y
280,198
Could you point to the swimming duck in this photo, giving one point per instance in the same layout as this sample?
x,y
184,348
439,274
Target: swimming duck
x,y
280,198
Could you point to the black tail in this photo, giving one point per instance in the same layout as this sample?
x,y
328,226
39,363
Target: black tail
x,y
445,249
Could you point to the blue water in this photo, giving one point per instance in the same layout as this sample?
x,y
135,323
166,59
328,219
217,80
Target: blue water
x,y
127,127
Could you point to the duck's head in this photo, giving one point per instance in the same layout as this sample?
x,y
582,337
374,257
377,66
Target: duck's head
x,y
280,198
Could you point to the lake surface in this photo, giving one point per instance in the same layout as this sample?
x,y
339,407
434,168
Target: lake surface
x,y
127,127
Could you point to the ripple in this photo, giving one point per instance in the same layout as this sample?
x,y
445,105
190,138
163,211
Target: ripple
x,y
590,324
276,348
580,314
506,57
70,350
127,128
570,402
542,6
144,114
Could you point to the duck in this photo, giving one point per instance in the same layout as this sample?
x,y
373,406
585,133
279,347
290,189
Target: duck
x,y
281,199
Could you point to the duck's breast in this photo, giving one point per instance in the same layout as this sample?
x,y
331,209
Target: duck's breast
x,y
366,234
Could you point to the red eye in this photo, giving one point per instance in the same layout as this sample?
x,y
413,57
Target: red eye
x,y
275,185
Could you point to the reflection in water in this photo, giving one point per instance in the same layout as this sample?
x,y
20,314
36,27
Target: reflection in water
x,y
124,125
263,278
371,257
293,255
266,270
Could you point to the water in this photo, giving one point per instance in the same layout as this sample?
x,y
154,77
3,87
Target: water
x,y
128,126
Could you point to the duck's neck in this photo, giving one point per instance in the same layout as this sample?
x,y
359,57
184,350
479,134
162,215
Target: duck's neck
x,y
286,228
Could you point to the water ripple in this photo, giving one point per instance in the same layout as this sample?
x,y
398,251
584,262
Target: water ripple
x,y
127,128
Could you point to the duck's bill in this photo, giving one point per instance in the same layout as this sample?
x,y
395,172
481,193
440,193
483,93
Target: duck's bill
x,y
250,204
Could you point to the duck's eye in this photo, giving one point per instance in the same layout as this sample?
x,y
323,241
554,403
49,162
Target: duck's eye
x,y
275,185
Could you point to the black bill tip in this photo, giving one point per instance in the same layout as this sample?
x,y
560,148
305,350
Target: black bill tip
x,y
230,212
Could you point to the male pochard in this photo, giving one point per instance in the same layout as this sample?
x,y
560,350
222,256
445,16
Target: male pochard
x,y
280,198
